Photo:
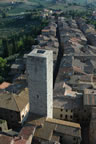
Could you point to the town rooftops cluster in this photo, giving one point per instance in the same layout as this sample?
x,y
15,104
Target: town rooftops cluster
x,y
74,91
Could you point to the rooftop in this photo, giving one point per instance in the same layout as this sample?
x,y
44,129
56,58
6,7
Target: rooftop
x,y
40,53
17,66
66,102
84,64
45,30
58,126
46,127
14,102
5,139
4,85
63,123
26,131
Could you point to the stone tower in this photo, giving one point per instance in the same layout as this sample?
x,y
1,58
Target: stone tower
x,y
40,82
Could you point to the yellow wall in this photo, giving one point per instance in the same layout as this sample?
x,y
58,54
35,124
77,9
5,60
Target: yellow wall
x,y
62,114
24,112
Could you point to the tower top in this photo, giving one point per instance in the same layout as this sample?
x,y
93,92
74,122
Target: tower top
x,y
40,53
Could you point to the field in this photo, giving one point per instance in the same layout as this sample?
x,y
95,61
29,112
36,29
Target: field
x,y
67,8
16,7
24,5
13,22
7,1
15,11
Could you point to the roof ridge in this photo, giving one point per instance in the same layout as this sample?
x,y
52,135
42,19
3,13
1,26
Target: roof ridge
x,y
61,122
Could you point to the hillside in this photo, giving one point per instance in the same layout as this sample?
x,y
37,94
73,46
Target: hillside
x,y
11,0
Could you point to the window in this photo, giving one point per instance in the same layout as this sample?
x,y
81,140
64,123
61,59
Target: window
x,y
38,96
71,116
22,116
61,109
61,115
66,116
54,52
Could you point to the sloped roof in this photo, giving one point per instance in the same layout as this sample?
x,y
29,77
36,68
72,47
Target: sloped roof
x,y
64,123
5,139
45,30
52,125
14,102
4,85
27,130
7,101
19,141
22,99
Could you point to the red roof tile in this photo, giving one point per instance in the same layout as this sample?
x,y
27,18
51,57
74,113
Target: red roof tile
x,y
45,30
4,85
27,131
5,139
19,140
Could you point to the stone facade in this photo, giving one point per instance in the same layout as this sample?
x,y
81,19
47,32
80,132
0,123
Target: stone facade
x,y
3,125
24,113
92,127
40,81
63,114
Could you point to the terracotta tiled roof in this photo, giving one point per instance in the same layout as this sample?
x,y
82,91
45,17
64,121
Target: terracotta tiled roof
x,y
5,139
22,138
26,131
4,85
19,140
74,39
45,30
14,102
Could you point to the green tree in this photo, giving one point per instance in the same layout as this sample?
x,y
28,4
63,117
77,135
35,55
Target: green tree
x,y
4,15
14,45
5,46
10,49
1,79
3,69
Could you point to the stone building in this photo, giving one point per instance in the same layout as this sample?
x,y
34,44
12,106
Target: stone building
x,y
3,125
14,108
25,136
54,131
40,81
6,139
17,69
92,127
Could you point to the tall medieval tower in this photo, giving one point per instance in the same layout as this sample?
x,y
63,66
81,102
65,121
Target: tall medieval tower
x,y
40,82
